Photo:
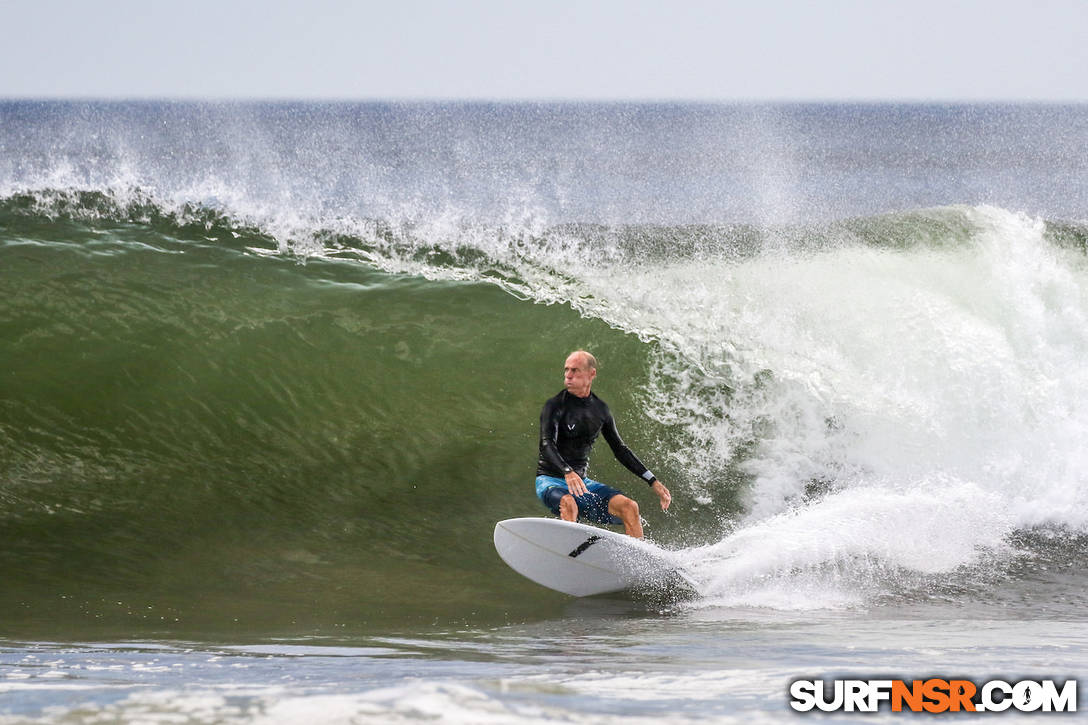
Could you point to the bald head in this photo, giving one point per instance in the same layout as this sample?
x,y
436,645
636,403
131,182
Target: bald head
x,y
587,358
578,373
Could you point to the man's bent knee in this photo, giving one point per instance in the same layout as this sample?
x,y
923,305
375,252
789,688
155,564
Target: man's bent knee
x,y
623,507
627,510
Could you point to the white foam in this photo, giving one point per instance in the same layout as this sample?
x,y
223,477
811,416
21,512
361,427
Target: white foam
x,y
414,701
938,390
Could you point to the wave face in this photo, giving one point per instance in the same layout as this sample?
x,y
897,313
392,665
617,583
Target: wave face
x,y
257,379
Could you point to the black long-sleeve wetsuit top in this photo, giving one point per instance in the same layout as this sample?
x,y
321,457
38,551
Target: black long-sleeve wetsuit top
x,y
569,425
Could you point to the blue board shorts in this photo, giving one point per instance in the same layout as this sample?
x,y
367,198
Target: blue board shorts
x,y
591,507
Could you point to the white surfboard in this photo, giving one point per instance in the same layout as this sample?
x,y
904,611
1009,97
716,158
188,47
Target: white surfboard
x,y
583,560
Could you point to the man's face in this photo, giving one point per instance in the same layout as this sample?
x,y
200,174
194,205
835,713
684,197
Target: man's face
x,y
577,375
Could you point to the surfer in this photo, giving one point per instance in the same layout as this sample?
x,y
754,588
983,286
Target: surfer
x,y
569,424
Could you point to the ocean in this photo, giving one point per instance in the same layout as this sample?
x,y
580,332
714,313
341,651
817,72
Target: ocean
x,y
271,372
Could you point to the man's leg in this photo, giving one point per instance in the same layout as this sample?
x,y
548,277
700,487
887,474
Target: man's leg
x,y
553,494
568,508
626,510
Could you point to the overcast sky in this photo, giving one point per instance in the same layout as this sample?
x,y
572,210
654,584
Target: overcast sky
x,y
548,49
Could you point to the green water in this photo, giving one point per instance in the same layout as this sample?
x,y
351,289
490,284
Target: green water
x,y
198,437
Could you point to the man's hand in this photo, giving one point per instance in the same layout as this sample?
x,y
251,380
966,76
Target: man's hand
x,y
663,494
575,484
